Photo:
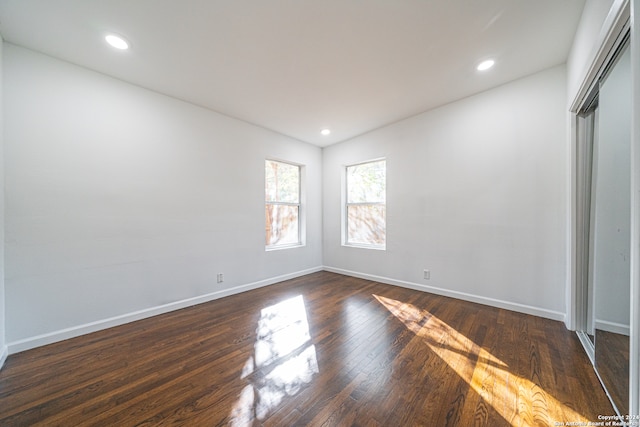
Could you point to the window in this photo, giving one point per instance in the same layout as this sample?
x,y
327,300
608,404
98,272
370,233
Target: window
x,y
365,210
282,204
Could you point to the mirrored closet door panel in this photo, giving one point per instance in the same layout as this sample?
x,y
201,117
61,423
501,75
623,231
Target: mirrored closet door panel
x,y
610,230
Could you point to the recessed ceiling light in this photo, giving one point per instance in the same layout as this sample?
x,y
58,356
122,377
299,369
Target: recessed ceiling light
x,y
325,132
485,65
117,42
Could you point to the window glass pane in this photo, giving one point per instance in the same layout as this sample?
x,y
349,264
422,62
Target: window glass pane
x,y
282,182
281,225
366,224
366,183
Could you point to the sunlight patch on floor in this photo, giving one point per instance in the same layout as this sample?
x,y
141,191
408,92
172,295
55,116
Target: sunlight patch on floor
x,y
282,328
518,400
283,349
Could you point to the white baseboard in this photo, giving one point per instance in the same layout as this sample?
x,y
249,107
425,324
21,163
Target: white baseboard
x,y
60,335
3,355
616,328
513,306
52,337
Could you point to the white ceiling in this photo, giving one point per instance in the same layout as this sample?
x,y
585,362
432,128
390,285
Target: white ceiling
x,y
298,66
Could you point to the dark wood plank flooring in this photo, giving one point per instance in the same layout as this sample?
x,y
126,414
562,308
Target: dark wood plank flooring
x,y
323,349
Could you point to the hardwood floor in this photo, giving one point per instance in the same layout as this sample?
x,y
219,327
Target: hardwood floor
x,y
323,349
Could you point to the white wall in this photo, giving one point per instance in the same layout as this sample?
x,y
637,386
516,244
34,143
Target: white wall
x,y
3,340
475,194
120,200
585,43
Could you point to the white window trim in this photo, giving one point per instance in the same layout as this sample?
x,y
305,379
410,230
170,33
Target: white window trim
x,y
302,231
346,204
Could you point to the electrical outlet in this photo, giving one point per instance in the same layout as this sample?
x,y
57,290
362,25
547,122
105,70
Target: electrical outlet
x,y
427,274
220,277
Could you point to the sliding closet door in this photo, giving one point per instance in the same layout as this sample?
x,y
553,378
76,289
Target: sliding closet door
x,y
611,222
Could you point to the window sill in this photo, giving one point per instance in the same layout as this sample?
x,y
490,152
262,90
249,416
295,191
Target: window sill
x,y
282,247
374,247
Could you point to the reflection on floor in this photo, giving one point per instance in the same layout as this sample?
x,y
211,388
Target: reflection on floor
x,y
612,362
283,347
